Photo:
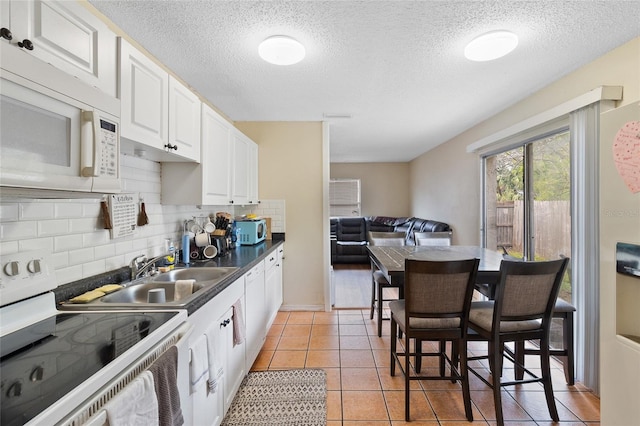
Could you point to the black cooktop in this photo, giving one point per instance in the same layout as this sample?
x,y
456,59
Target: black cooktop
x,y
41,363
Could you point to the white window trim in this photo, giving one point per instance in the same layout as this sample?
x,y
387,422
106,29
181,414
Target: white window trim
x,y
499,140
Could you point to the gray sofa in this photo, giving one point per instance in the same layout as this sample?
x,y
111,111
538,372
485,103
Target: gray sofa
x,y
349,234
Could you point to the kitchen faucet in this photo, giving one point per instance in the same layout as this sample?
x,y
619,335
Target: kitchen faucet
x,y
141,265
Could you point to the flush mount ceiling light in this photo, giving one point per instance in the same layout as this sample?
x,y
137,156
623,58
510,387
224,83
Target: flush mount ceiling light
x,y
281,50
491,45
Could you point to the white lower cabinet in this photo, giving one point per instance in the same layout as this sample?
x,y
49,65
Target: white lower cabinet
x,y
254,293
211,320
260,297
271,292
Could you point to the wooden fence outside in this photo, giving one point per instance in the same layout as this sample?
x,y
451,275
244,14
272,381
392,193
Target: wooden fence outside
x,y
552,227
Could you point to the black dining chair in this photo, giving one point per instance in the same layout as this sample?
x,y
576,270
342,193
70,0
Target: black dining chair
x,y
563,311
437,298
522,310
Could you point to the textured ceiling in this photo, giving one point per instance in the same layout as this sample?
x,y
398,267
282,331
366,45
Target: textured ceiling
x,y
395,66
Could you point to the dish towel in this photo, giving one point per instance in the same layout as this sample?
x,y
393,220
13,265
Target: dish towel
x,y
135,405
165,379
215,369
184,288
199,368
238,323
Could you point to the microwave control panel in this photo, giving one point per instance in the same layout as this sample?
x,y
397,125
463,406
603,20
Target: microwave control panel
x,y
107,145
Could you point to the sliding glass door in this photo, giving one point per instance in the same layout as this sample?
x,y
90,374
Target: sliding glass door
x,y
527,201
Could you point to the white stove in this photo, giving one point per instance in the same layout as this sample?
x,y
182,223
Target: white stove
x,y
56,367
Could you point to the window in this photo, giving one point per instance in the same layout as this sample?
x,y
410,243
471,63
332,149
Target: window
x,y
344,197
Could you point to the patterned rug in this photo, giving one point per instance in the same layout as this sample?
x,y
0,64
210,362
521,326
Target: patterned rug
x,y
283,398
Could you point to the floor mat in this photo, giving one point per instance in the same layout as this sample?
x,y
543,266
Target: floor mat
x,y
280,397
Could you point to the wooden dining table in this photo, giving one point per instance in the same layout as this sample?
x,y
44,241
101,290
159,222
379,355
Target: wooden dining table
x,y
390,261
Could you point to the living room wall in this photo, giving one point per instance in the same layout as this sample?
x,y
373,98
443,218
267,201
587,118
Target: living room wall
x,y
291,168
384,187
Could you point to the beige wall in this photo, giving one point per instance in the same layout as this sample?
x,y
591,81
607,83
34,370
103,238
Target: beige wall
x,y
384,187
291,169
445,181
619,294
445,185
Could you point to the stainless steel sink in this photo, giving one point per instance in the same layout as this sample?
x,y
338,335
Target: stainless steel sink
x,y
139,293
198,274
136,294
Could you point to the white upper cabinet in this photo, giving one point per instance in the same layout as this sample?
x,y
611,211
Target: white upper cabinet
x,y
245,170
144,93
184,120
158,111
216,157
65,35
253,173
207,183
240,186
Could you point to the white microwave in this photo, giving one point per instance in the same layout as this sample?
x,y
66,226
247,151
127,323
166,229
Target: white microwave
x,y
65,136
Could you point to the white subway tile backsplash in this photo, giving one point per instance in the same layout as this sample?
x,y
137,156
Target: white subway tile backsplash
x,y
78,257
123,246
60,260
93,268
68,210
69,274
115,262
93,239
87,224
105,251
8,247
18,230
9,212
72,229
33,210
35,244
53,227
67,242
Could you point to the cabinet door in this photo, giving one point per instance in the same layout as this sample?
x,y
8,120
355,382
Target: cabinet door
x,y
240,185
216,158
144,93
69,37
252,179
271,292
255,313
234,362
184,120
207,409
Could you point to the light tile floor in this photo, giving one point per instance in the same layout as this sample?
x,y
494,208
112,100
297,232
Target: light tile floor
x,y
360,390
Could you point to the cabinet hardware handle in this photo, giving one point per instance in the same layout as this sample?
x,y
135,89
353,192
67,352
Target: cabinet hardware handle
x,y
230,201
5,33
171,147
225,323
26,43
14,390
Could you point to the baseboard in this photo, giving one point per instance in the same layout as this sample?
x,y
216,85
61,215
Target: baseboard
x,y
288,308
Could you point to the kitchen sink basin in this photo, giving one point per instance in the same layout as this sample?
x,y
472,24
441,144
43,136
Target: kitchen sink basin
x,y
136,294
139,293
198,274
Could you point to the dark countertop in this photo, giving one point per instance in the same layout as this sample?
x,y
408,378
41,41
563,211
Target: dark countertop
x,y
242,257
